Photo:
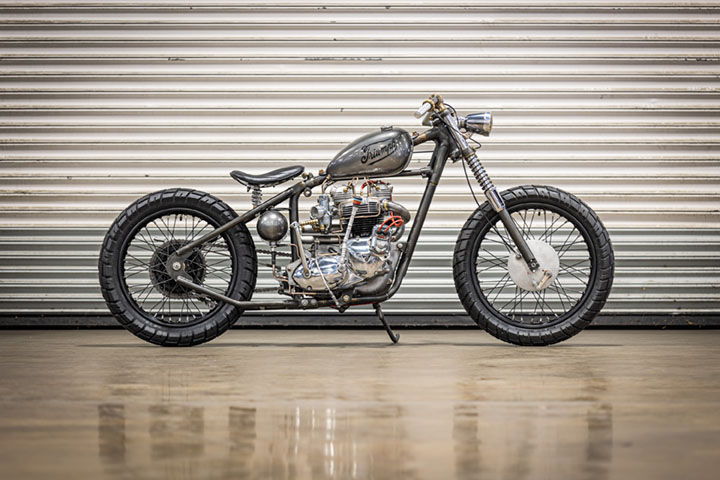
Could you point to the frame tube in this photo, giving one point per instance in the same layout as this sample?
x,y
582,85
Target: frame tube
x,y
291,193
438,161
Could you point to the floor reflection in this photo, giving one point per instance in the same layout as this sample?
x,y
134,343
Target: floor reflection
x,y
505,441
466,437
497,441
111,433
242,435
328,443
600,440
176,432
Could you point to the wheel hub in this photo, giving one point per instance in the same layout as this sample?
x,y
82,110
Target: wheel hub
x,y
544,276
193,267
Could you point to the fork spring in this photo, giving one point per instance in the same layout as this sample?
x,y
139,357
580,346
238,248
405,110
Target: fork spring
x,y
480,174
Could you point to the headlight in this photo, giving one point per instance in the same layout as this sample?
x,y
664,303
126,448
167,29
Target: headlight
x,y
479,123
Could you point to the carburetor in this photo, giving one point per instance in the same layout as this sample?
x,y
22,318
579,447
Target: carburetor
x,y
321,213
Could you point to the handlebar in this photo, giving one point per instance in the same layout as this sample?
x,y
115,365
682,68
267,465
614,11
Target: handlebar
x,y
474,123
423,110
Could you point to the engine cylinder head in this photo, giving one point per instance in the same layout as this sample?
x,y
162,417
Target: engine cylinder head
x,y
379,189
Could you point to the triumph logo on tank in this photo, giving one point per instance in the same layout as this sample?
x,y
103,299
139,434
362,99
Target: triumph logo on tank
x,y
374,152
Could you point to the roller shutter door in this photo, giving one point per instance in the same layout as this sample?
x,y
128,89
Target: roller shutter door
x,y
105,101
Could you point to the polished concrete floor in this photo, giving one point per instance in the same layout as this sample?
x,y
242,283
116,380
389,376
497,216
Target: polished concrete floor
x,y
316,404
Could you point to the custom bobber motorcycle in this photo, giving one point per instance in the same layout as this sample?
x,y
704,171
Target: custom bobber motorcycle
x,y
533,265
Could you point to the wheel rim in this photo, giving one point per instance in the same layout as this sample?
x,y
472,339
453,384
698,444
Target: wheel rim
x,y
149,286
570,283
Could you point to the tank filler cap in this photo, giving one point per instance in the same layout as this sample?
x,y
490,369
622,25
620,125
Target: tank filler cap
x,y
386,128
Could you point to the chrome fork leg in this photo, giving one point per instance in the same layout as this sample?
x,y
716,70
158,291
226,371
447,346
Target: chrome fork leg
x,y
499,205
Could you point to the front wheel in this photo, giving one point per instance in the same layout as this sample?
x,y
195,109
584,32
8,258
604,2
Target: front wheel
x,y
134,276
534,308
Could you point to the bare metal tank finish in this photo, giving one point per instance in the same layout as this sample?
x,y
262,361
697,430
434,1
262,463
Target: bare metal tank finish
x,y
377,154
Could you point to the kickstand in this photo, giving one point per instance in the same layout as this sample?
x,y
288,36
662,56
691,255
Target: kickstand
x,y
379,312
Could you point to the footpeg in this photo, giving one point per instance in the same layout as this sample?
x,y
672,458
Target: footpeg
x,y
381,316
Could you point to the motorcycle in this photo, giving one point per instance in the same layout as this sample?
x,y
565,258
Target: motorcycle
x,y
533,265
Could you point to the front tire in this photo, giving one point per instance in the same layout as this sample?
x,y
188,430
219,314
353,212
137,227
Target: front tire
x,y
516,306
135,282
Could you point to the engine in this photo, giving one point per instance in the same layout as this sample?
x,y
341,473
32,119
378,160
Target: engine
x,y
369,211
355,230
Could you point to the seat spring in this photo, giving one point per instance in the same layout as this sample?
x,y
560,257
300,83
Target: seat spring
x,y
255,195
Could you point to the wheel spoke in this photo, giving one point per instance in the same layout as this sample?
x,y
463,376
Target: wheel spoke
x,y
527,233
544,302
499,285
574,264
579,271
550,231
515,296
573,275
493,264
495,257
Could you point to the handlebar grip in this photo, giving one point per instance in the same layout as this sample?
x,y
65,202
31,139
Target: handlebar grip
x,y
423,110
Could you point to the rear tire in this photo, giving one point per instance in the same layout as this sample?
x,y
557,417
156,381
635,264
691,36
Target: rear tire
x,y
192,325
538,327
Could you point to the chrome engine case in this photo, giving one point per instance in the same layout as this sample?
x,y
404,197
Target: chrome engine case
x,y
366,260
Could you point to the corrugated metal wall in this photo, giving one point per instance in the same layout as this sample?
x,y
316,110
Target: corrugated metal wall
x,y
104,101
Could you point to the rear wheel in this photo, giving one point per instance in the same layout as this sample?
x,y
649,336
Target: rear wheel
x,y
563,296
134,276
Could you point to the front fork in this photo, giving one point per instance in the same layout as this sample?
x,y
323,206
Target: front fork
x,y
499,205
491,192
510,226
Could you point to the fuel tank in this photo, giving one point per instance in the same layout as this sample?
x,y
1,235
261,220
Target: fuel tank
x,y
377,154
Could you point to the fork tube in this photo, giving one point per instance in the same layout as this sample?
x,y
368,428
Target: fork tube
x,y
499,205
518,239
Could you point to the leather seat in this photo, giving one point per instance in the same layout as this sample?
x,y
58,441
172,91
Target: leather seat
x,y
268,179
